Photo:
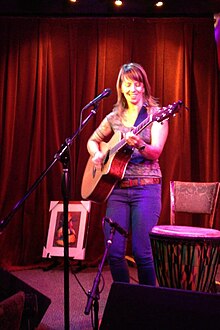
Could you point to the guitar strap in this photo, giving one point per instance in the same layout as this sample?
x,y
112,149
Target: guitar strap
x,y
143,114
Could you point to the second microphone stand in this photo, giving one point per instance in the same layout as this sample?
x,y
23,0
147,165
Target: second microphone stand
x,y
93,295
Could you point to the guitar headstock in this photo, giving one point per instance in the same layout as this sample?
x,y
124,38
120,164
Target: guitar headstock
x,y
167,112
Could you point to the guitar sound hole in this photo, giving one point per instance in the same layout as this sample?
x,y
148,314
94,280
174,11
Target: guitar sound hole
x,y
94,171
106,158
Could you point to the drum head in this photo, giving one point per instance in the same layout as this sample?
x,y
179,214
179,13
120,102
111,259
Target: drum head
x,y
186,231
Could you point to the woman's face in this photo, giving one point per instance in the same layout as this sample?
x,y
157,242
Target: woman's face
x,y
133,91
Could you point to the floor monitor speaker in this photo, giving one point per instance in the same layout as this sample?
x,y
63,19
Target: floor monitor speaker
x,y
35,305
141,307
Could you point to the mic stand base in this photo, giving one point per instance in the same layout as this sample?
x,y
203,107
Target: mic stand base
x,y
93,295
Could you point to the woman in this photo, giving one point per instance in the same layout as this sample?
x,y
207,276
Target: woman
x,y
135,202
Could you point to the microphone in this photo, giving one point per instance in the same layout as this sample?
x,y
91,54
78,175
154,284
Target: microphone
x,y
97,99
117,227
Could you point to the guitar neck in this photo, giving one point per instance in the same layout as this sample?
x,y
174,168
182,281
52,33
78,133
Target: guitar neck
x,y
136,131
159,116
142,125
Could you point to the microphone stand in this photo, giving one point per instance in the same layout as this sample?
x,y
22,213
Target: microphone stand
x,y
63,156
65,187
93,295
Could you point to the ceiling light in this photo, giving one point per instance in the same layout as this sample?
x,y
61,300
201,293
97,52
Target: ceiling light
x,y
118,2
159,4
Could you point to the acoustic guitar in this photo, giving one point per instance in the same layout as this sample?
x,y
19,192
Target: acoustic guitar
x,y
97,184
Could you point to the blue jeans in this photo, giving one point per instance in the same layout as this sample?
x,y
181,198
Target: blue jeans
x,y
136,209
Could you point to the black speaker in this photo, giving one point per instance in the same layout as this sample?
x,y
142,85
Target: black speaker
x,y
132,306
35,305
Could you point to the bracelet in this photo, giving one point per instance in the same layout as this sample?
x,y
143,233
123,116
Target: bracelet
x,y
141,148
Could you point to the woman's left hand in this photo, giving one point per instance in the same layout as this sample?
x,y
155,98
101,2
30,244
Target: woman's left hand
x,y
133,140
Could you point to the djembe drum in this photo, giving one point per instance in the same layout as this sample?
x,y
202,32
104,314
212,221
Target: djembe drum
x,y
185,257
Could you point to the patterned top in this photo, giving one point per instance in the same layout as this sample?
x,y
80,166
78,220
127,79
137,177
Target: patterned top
x,y
138,166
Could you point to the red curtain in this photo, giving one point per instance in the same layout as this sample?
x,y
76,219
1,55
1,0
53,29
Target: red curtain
x,y
52,67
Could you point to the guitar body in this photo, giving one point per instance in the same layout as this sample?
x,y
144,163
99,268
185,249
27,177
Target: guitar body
x,y
97,184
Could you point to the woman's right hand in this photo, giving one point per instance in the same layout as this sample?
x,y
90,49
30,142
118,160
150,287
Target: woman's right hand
x,y
97,159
